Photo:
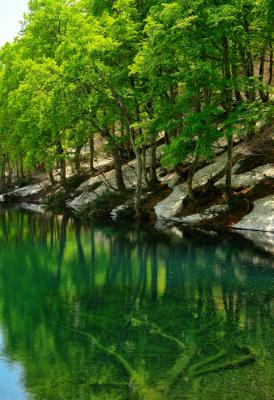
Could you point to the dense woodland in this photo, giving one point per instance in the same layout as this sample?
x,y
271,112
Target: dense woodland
x,y
133,74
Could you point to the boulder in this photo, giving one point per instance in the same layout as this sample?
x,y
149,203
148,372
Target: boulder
x,y
206,215
97,185
203,174
36,208
169,179
123,211
85,198
262,240
108,179
261,218
33,193
251,178
172,204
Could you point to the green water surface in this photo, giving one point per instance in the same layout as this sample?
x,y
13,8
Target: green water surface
x,y
92,312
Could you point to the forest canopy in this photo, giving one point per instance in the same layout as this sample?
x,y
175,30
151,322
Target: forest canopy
x,y
132,72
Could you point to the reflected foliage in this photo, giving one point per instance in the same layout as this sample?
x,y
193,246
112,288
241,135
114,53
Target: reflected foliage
x,y
113,313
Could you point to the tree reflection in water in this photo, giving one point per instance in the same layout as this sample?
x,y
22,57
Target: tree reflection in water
x,y
113,313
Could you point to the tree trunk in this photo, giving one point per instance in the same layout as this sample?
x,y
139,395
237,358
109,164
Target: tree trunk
x,y
51,177
153,163
77,160
228,106
22,168
249,64
62,163
235,73
139,184
191,173
17,171
263,95
9,172
138,154
228,179
144,164
270,65
248,72
3,173
91,153
118,167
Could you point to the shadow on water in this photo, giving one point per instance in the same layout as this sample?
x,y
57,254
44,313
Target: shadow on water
x,y
117,313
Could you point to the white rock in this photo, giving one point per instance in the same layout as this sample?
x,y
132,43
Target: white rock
x,y
108,179
85,198
251,178
263,240
36,208
170,179
122,210
203,174
172,204
27,192
261,218
206,215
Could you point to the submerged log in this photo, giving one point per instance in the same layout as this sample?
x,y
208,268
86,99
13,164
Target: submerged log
x,y
239,362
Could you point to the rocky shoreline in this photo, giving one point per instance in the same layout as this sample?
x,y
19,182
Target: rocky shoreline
x,y
250,209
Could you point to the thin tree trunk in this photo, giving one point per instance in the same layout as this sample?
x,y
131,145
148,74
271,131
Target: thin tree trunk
x,y
249,64
137,152
271,61
228,179
144,163
17,171
22,168
191,173
77,160
139,184
51,177
153,163
3,173
263,95
62,163
91,153
235,73
116,160
9,172
248,72
228,95
118,168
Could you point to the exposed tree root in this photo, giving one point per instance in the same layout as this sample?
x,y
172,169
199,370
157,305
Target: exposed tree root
x,y
239,362
179,368
208,361
160,389
158,331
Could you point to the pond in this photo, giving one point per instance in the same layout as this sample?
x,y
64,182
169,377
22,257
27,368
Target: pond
x,y
107,312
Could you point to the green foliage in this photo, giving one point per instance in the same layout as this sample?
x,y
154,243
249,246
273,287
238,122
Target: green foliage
x,y
130,70
56,201
238,202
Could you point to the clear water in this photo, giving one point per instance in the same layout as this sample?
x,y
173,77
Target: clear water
x,y
90,312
